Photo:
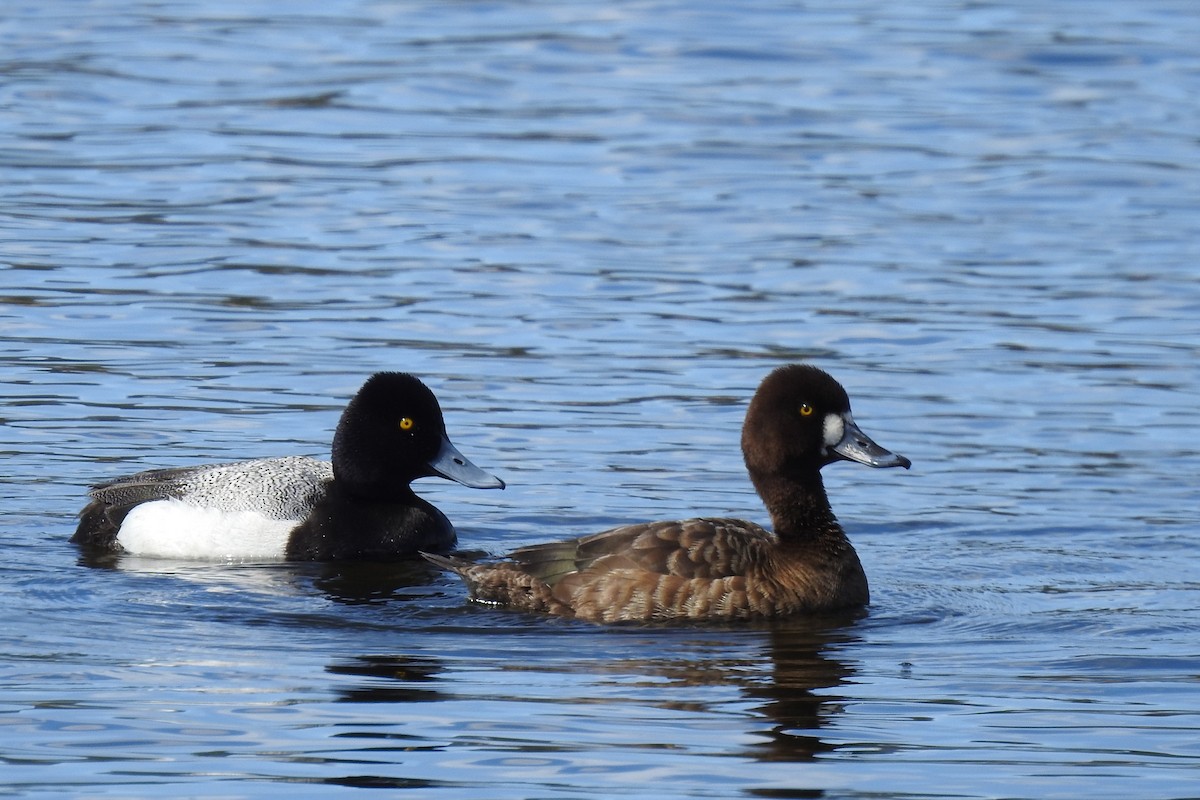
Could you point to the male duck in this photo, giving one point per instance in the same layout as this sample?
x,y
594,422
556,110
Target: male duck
x,y
798,421
359,507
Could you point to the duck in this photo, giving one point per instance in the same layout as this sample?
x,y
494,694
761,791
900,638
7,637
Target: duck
x,y
357,507
710,568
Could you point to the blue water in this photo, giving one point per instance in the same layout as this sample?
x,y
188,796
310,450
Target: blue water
x,y
592,229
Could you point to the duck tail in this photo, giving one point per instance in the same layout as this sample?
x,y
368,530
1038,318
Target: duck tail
x,y
452,563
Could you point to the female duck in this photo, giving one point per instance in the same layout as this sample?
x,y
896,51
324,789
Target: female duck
x,y
359,507
798,421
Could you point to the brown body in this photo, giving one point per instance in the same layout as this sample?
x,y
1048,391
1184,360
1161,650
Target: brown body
x,y
696,568
798,421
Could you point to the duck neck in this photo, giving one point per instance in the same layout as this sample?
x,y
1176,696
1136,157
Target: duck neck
x,y
377,487
798,506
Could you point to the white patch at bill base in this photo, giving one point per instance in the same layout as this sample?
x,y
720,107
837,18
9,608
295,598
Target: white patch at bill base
x,y
835,429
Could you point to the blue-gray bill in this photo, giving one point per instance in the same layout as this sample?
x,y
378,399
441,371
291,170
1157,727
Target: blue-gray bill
x,y
857,446
453,465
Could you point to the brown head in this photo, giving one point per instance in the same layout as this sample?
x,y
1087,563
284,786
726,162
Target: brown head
x,y
799,421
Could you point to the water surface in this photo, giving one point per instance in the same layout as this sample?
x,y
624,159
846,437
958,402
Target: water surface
x,y
592,231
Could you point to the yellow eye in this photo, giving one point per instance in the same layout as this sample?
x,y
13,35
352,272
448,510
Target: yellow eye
x,y
806,410
406,423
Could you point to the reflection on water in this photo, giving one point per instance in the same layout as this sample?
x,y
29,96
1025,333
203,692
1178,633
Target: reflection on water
x,y
592,231
373,583
391,679
783,679
796,702
351,583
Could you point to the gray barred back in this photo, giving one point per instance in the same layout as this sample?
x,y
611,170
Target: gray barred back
x,y
279,488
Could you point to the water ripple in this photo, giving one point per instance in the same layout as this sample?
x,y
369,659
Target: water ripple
x,y
593,232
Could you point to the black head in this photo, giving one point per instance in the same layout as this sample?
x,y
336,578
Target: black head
x,y
800,419
391,433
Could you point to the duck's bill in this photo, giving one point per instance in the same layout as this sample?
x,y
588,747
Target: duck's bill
x,y
453,465
857,446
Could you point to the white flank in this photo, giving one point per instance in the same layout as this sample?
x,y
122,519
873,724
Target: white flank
x,y
177,529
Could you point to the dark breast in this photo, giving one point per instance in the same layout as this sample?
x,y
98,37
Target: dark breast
x,y
345,528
